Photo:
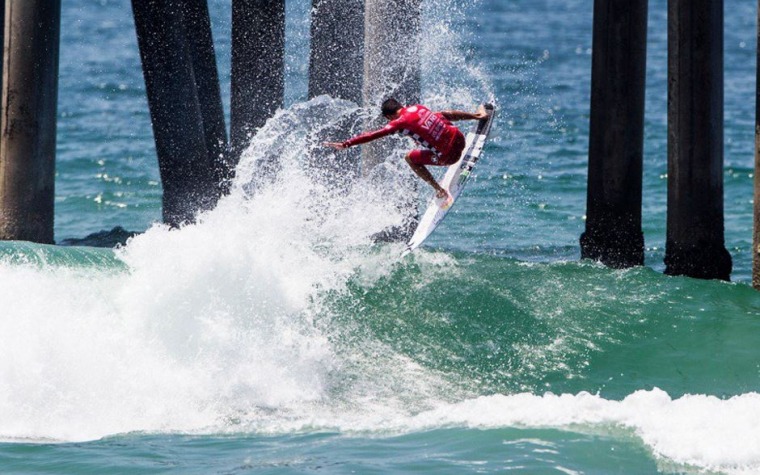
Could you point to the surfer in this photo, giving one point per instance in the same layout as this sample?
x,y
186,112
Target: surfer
x,y
442,142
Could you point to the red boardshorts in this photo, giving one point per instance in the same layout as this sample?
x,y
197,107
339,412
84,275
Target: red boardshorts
x,y
427,157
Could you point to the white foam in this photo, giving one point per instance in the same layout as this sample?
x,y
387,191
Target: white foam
x,y
201,323
693,430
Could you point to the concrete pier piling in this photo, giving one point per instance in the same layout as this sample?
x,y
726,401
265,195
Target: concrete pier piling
x,y
756,202
613,226
29,103
203,56
695,244
336,60
336,68
391,62
2,39
258,77
177,57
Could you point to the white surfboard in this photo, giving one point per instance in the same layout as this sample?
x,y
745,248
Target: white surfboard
x,y
453,181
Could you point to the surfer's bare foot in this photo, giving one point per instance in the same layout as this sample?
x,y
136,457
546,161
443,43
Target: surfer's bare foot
x,y
440,193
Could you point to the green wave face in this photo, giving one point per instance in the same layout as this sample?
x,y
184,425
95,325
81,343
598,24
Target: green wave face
x,y
22,253
495,325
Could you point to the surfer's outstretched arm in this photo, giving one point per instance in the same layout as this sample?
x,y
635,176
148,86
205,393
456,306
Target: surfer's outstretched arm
x,y
365,137
462,115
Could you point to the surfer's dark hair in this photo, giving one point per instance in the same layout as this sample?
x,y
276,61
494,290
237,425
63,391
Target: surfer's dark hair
x,y
391,106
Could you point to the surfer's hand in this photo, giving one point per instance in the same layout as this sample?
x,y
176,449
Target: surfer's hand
x,y
335,145
481,112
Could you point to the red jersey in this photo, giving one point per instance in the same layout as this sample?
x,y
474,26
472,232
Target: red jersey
x,y
429,129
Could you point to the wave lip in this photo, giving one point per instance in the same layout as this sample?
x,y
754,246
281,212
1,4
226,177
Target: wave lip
x,y
693,430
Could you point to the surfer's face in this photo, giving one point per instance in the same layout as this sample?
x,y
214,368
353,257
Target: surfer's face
x,y
393,116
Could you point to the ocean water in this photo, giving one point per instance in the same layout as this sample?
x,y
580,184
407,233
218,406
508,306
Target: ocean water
x,y
275,337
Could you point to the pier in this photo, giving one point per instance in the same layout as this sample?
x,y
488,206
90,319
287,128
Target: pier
x,y
616,142
695,245
351,43
29,105
258,67
695,242
182,85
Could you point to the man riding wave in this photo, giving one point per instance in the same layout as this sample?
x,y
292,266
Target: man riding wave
x,y
442,142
